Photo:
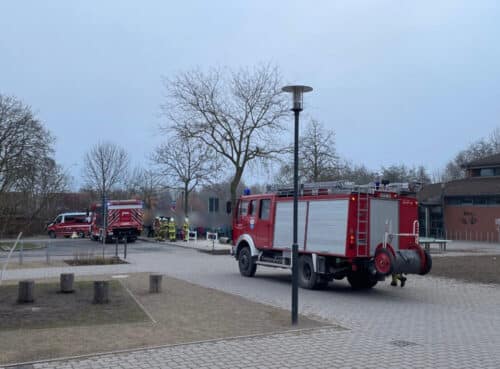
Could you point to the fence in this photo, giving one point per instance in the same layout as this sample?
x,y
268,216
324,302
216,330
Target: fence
x,y
469,235
49,251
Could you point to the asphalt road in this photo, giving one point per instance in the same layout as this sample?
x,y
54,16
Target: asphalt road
x,y
65,247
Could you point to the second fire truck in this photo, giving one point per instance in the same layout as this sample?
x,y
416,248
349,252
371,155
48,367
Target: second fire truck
x,y
124,220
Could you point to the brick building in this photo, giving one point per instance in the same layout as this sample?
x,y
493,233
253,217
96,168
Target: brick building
x,y
464,209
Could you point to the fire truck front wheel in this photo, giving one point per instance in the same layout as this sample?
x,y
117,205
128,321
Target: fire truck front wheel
x,y
246,263
52,234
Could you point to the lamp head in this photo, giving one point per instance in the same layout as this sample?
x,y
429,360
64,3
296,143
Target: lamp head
x,y
298,95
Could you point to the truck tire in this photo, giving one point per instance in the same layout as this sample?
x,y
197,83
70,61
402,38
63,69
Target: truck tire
x,y
428,263
361,280
246,263
52,234
308,278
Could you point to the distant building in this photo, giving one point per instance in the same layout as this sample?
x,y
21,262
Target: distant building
x,y
464,209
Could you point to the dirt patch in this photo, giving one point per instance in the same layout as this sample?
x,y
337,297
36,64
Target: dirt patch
x,y
182,313
95,261
479,269
53,309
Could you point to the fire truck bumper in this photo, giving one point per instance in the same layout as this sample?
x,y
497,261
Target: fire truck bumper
x,y
413,261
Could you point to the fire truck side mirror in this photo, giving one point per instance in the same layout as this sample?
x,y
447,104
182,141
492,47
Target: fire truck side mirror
x,y
87,212
228,207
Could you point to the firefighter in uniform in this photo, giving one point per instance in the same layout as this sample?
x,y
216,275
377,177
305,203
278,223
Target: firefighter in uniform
x,y
161,228
185,228
396,277
171,230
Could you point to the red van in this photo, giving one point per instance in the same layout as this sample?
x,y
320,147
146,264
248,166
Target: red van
x,y
66,224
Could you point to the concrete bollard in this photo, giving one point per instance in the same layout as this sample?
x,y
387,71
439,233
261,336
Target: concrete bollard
x,y
66,282
155,283
101,292
26,291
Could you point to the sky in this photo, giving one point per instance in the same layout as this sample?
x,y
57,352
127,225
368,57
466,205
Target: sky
x,y
400,82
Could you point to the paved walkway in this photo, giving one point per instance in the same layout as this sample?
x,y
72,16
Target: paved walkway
x,y
431,323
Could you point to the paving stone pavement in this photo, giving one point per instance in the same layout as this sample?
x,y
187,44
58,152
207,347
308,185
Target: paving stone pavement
x,y
431,323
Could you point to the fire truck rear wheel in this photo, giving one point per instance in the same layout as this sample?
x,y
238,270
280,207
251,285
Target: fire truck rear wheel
x,y
308,278
361,280
246,263
52,234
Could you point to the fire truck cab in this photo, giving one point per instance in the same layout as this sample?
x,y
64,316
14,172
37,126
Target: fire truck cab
x,y
362,233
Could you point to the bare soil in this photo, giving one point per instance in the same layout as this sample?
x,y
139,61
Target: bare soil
x,y
182,313
53,309
478,269
78,261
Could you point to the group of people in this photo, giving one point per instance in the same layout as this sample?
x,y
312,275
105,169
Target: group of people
x,y
166,228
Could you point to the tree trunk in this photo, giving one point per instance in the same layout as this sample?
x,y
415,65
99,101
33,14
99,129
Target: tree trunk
x,y
234,186
186,200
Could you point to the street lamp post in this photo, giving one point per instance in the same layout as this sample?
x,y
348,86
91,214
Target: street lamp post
x,y
298,94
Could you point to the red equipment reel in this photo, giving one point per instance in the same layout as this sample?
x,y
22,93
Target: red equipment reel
x,y
383,261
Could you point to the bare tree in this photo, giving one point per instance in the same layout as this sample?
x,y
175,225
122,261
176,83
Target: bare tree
x,y
402,173
358,174
318,157
23,140
476,150
105,166
185,164
237,114
29,176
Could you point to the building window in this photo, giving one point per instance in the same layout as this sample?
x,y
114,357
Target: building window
x,y
487,172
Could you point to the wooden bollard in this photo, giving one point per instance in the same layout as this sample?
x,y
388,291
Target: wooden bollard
x,y
26,291
66,282
155,283
101,292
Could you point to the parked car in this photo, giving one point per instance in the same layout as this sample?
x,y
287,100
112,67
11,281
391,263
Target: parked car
x,y
67,224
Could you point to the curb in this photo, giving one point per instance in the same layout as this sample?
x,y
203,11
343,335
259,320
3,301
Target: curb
x,y
184,246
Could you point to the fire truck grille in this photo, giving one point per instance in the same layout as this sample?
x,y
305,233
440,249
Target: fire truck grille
x,y
114,216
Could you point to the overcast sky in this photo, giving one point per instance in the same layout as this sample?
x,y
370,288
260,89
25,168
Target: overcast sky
x,y
406,82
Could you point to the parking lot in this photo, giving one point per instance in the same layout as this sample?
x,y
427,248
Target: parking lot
x,y
432,322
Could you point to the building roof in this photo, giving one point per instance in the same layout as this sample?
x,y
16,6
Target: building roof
x,y
492,160
473,186
430,194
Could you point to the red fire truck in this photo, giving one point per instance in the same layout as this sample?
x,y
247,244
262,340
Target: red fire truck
x,y
124,219
67,224
364,233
